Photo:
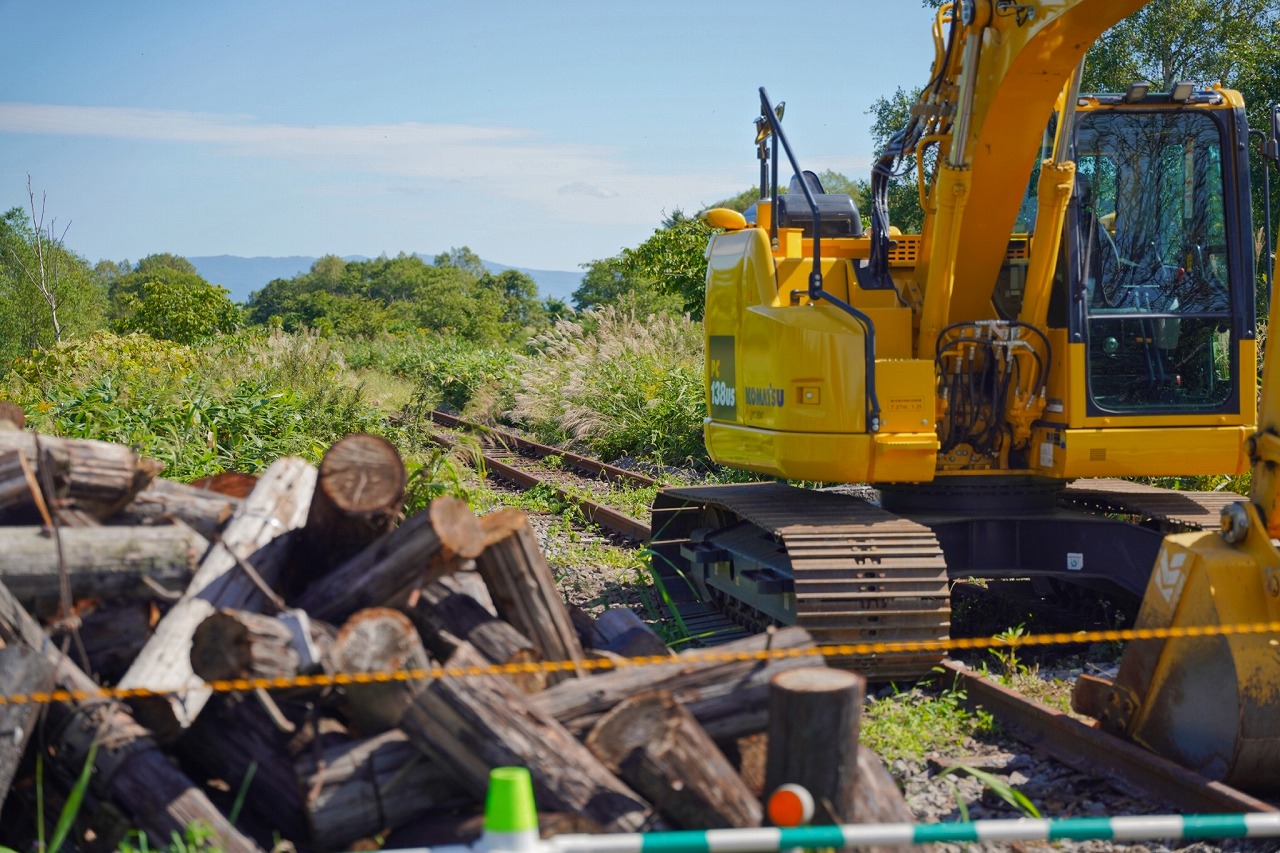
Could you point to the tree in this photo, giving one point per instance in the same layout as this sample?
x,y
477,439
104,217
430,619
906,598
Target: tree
x,y
47,291
173,305
515,294
463,259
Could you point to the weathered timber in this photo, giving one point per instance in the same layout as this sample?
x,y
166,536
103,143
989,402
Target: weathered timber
x,y
725,688
658,748
623,632
241,644
100,562
437,541
473,723
12,414
156,796
816,705
202,510
378,639
524,591
18,486
277,504
112,633
364,787
233,484
236,735
447,618
358,497
23,671
95,476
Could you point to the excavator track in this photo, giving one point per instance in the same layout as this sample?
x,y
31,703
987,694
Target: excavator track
x,y
849,572
1172,511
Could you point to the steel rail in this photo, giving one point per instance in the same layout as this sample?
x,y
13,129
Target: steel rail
x,y
1099,754
595,512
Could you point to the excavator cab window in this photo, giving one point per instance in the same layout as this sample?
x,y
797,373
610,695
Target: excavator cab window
x,y
1153,257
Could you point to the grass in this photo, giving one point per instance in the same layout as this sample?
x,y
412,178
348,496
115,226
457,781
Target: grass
x,y
925,718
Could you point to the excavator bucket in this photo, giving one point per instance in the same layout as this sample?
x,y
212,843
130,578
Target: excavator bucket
x,y
1210,702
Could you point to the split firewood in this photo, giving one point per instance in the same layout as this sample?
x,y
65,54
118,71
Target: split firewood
x,y
23,671
471,724
95,476
232,484
624,633
202,510
447,618
133,772
358,498
365,787
725,688
516,572
99,562
378,639
441,539
237,572
809,706
661,751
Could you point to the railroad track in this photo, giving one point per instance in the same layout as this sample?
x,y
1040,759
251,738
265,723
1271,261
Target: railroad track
x,y
1081,747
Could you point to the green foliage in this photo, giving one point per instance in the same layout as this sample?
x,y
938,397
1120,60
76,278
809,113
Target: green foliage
x,y
454,296
617,385
924,719
449,372
997,786
666,271
180,307
26,323
240,403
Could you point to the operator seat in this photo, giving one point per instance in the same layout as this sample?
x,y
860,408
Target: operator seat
x,y
837,212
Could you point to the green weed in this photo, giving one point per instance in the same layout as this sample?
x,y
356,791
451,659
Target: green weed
x,y
923,719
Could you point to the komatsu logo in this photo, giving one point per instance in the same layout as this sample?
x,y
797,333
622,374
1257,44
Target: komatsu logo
x,y
769,396
721,377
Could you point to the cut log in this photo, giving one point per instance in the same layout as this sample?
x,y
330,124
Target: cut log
x,y
94,476
728,694
446,619
13,414
378,639
471,724
365,787
435,542
524,591
156,796
100,562
626,634
658,748
235,736
358,498
816,705
18,486
241,644
203,511
233,484
278,504
23,671
113,632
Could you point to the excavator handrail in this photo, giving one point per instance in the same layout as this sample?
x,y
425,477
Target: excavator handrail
x,y
816,290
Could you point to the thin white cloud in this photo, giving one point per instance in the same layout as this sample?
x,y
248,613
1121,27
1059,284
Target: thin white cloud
x,y
572,183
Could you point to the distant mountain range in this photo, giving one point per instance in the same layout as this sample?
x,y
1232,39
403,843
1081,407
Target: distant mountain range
x,y
242,276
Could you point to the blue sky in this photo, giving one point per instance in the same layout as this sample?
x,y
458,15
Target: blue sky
x,y
540,134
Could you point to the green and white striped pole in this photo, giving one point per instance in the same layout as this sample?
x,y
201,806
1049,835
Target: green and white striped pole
x,y
511,826
767,840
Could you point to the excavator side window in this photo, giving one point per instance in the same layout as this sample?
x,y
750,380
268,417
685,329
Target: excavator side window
x,y
1153,256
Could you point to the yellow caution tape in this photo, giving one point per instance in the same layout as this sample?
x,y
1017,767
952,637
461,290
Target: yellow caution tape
x,y
709,656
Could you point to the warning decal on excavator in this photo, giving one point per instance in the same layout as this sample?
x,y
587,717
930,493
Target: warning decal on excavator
x,y
1169,575
723,381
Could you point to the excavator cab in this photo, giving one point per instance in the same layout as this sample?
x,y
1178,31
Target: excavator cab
x,y
1205,691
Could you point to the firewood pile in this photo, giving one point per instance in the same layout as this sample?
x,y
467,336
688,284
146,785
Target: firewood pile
x,y
112,577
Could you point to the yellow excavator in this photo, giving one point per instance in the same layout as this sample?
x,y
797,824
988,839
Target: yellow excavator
x,y
1078,307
